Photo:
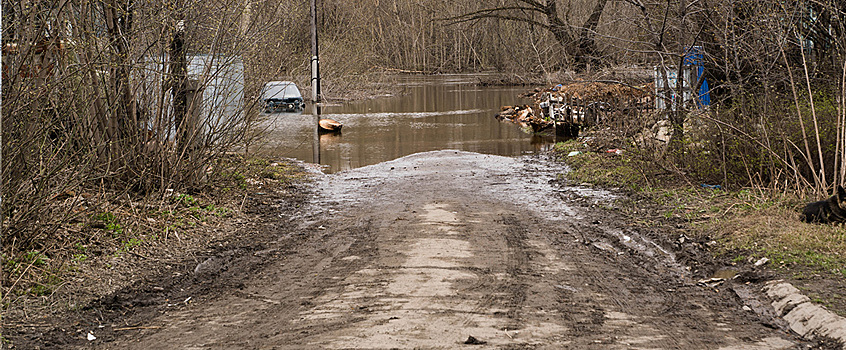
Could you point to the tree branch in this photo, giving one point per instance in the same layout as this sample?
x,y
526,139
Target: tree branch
x,y
504,17
486,13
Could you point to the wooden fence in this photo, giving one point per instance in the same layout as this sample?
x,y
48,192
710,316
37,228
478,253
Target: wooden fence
x,y
571,114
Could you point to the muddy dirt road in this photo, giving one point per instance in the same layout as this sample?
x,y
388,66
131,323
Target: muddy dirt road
x,y
428,250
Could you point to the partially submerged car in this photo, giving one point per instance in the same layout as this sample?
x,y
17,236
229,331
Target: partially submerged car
x,y
282,96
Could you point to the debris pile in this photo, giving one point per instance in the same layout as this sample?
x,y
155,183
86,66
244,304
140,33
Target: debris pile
x,y
524,116
580,104
605,92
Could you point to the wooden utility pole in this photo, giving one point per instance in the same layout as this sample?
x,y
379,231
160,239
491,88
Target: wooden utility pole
x,y
315,84
315,60
2,237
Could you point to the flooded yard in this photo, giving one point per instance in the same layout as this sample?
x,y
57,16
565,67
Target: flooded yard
x,y
431,113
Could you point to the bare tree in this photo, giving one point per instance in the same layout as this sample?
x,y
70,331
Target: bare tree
x,y
577,41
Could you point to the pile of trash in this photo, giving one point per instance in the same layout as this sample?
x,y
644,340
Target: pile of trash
x,y
580,104
602,91
524,116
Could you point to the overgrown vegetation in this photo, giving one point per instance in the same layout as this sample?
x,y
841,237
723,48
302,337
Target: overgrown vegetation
x,y
747,223
118,117
108,230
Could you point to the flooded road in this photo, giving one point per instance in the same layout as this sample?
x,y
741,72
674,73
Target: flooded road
x,y
430,113
445,249
452,249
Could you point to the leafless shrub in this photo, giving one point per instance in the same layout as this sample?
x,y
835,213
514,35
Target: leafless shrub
x,y
120,96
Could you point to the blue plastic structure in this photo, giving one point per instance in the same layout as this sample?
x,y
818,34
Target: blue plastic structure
x,y
694,57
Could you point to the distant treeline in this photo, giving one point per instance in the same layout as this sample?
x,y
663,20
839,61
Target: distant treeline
x,y
442,36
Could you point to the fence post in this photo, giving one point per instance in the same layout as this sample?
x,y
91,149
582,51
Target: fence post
x,y
194,96
561,121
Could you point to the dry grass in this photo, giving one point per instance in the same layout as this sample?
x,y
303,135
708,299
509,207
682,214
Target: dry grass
x,y
628,170
108,239
775,232
747,224
811,256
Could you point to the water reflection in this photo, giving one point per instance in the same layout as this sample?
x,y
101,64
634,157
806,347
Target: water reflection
x,y
441,112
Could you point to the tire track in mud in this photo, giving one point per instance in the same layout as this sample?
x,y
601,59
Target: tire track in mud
x,y
606,293
427,250
442,290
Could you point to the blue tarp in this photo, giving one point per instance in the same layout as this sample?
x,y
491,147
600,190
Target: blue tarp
x,y
694,57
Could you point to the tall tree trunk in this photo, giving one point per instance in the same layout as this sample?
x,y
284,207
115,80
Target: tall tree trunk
x,y
587,50
179,76
583,48
559,28
123,131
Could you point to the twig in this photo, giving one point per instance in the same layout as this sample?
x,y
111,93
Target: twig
x,y
729,209
136,327
33,325
17,280
241,209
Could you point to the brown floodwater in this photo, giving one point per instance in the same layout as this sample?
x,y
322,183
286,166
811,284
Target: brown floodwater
x,y
432,113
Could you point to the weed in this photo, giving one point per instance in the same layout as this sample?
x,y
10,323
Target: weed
x,y
108,222
185,199
131,243
127,245
9,264
104,217
769,228
270,174
46,286
115,228
35,258
258,161
197,213
747,223
79,258
217,211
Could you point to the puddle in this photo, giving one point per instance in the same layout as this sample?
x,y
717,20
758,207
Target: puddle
x,y
725,274
596,196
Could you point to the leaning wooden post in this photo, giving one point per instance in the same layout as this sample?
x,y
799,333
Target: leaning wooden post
x,y
178,77
192,131
315,84
194,97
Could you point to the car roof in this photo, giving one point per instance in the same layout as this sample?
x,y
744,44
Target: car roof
x,y
280,90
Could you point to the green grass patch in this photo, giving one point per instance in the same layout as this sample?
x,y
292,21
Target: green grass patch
x,y
107,221
185,199
127,245
602,169
775,232
748,224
